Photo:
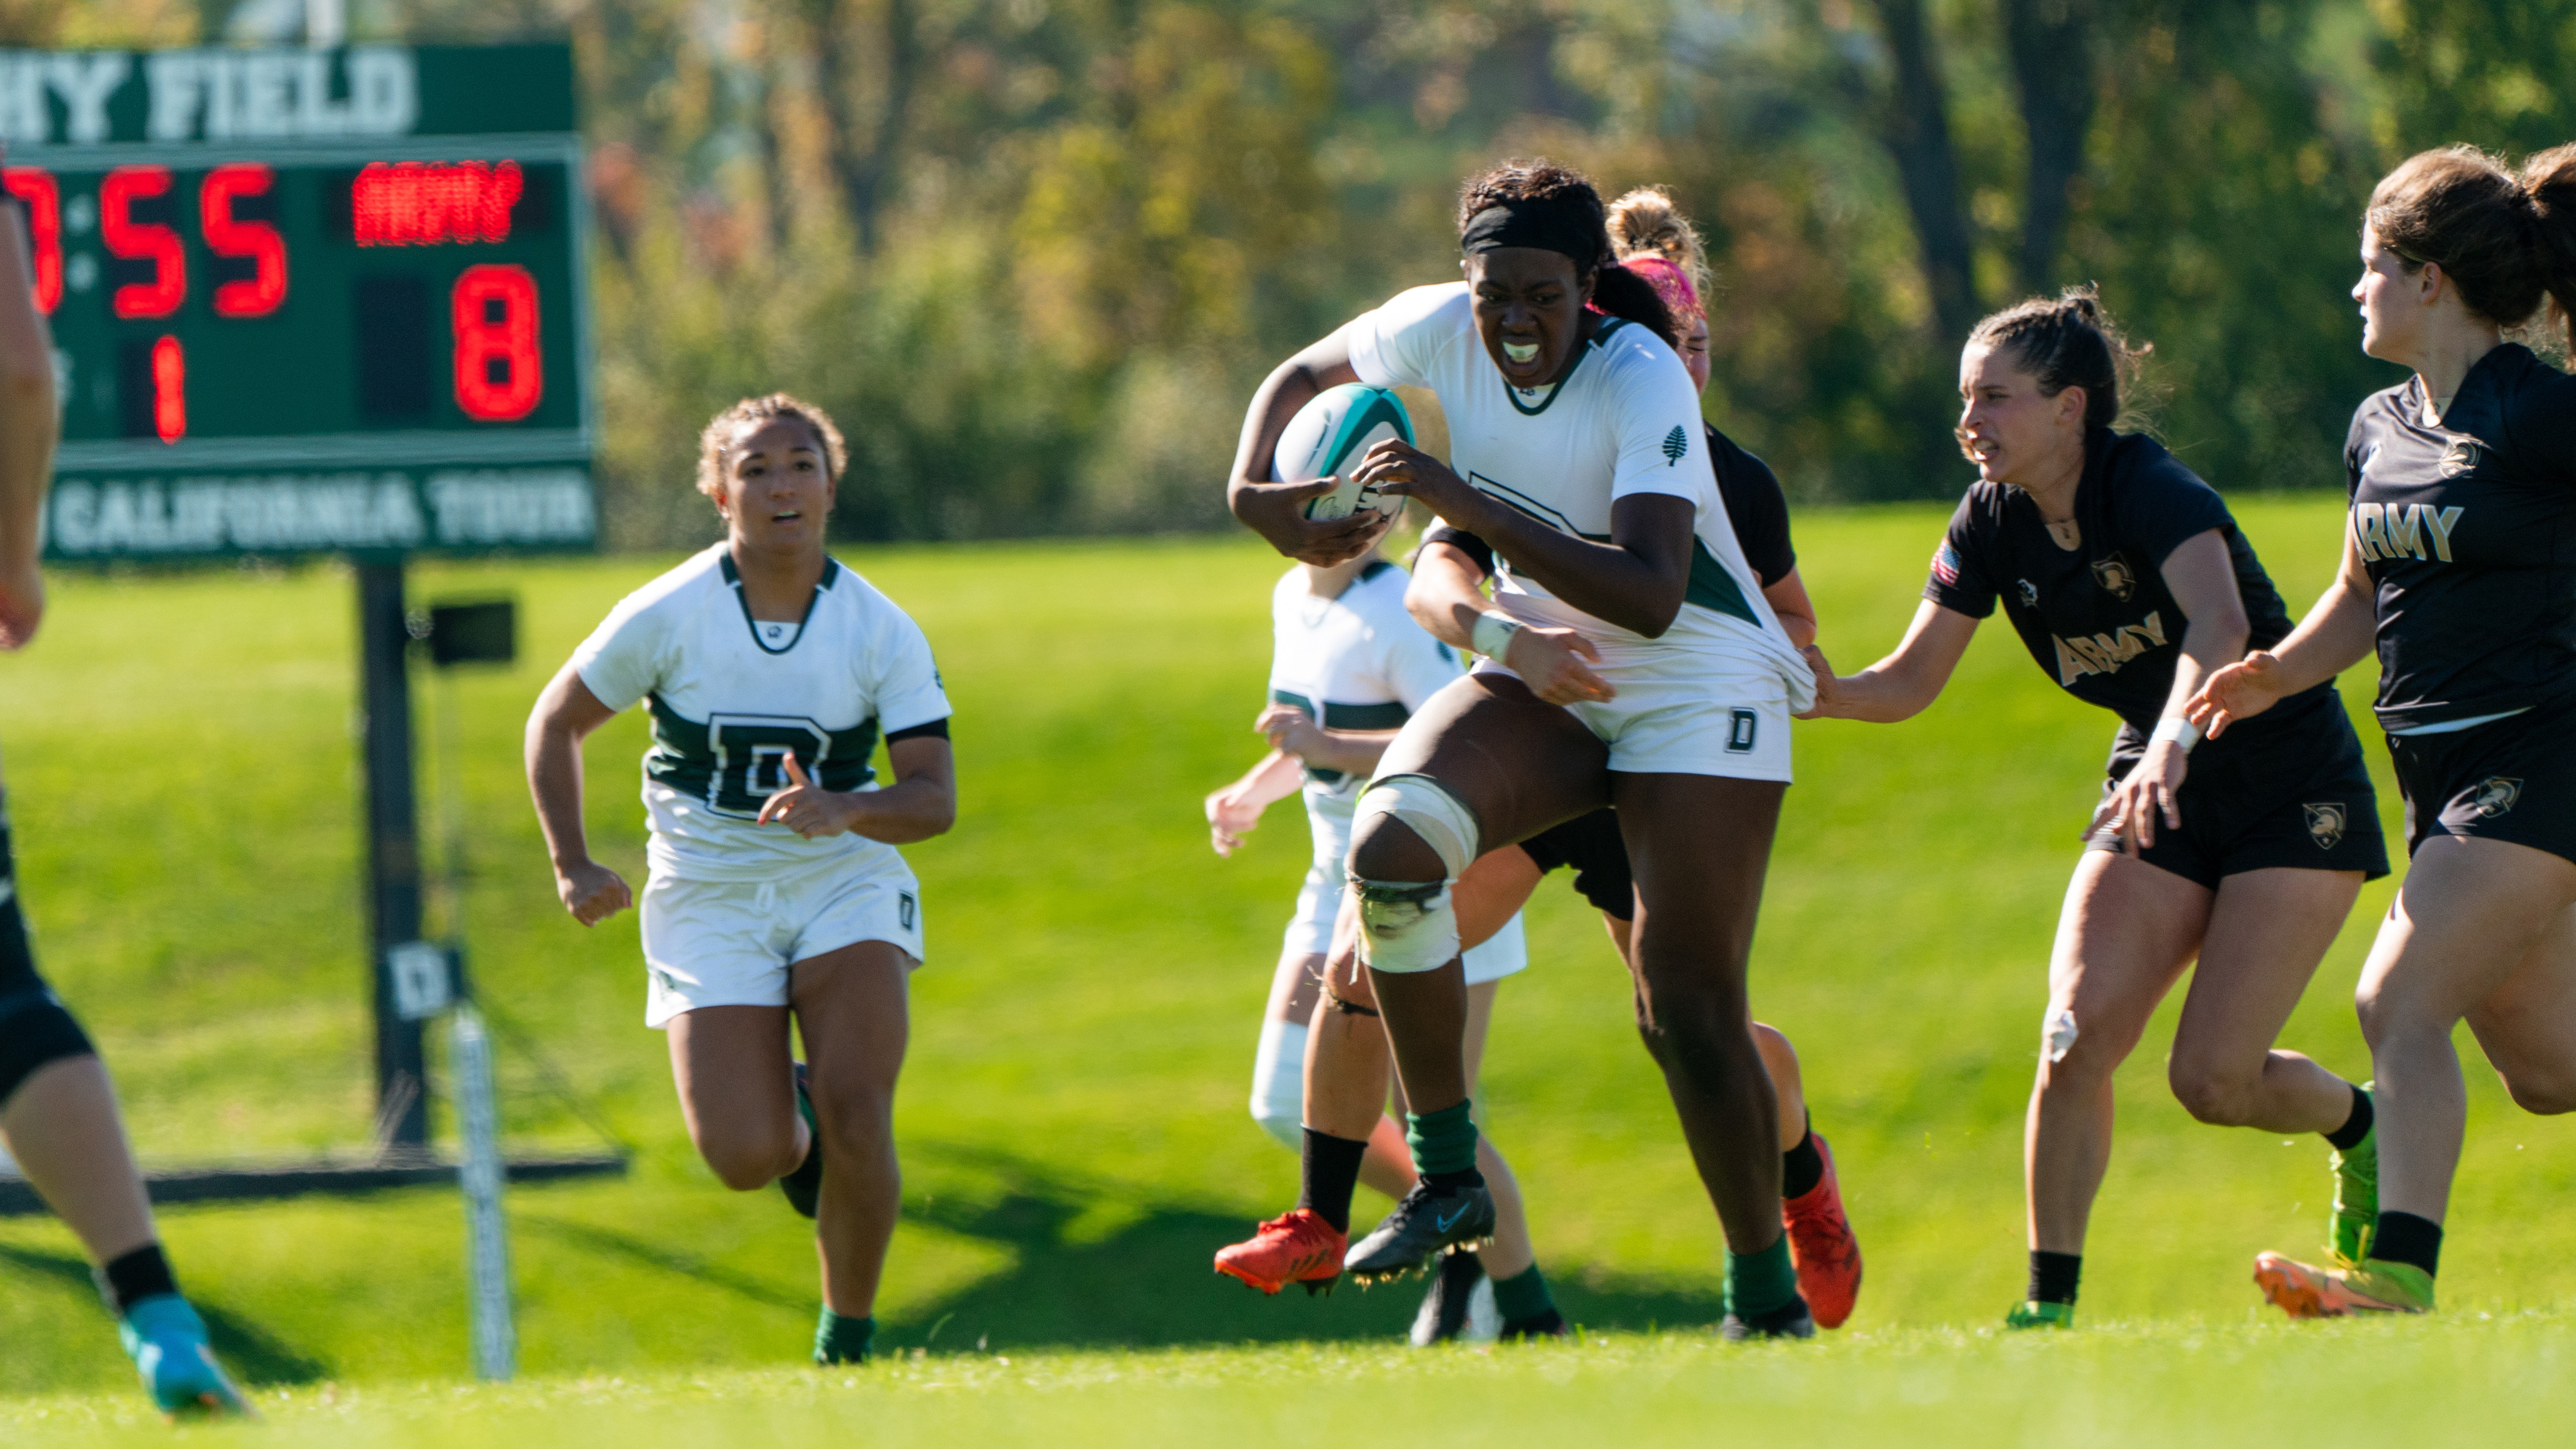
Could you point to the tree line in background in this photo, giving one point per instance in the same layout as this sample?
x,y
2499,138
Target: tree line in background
x,y
1034,254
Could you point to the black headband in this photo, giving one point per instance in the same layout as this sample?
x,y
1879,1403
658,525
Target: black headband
x,y
1547,225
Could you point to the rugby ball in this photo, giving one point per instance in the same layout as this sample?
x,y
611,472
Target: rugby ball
x,y
1327,439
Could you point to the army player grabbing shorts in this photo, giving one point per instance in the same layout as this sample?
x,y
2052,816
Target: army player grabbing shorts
x,y
2128,581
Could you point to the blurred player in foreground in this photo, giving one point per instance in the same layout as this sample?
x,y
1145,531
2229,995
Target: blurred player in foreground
x,y
2456,557
57,1109
2128,581
776,891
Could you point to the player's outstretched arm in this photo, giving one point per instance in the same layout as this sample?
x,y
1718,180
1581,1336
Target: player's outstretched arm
x,y
566,713
1277,511
2337,632
29,421
1901,685
920,803
2202,578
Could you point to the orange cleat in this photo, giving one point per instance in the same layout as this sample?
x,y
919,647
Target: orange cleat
x,y
1299,1247
1822,1245
2302,1291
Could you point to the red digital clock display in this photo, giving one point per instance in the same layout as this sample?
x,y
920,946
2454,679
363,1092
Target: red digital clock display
x,y
497,372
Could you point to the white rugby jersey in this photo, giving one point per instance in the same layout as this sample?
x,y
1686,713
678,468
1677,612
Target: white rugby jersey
x,y
730,698
1626,420
1357,662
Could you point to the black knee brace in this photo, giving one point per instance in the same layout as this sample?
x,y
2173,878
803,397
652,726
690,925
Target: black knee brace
x,y
35,1029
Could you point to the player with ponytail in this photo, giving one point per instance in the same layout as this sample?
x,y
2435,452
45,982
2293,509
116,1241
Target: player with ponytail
x,y
2128,582
1577,453
2457,553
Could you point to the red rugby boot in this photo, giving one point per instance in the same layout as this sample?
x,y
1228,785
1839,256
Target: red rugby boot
x,y
1299,1247
1822,1245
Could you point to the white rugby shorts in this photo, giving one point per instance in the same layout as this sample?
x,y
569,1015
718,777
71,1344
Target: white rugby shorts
x,y
1688,712
729,943
1319,899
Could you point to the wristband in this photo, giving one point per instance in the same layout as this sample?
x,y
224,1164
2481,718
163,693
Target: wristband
x,y
1493,634
2177,729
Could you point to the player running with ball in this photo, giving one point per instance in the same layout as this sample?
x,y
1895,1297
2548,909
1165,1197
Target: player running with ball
x,y
2456,562
2128,582
1578,453
770,671
1347,1067
58,1110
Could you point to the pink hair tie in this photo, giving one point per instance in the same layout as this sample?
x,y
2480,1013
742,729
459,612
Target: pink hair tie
x,y
1669,282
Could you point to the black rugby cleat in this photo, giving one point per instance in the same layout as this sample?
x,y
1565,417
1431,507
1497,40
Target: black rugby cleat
x,y
1789,1320
1427,1223
1459,1304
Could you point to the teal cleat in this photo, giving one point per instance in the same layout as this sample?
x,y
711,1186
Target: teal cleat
x,y
2356,1198
167,1341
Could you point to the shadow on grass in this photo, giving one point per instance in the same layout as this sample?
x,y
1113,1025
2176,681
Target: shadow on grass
x,y
1146,1282
254,1355
659,1257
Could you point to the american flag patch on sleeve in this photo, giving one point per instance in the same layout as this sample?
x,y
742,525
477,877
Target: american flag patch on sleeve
x,y
1945,564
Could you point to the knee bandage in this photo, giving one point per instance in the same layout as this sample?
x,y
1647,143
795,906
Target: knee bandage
x,y
1279,1082
1409,926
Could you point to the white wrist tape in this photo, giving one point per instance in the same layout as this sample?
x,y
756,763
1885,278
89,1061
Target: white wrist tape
x,y
1493,634
2177,729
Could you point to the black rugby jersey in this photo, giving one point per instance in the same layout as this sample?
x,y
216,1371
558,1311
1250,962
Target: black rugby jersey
x,y
2468,530
2098,617
1755,506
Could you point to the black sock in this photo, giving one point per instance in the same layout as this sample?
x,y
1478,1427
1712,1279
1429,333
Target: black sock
x,y
138,1275
1329,1174
2355,1127
1802,1166
2053,1276
2406,1238
1453,1181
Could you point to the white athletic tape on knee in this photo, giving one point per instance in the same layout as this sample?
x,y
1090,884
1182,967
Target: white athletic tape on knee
x,y
1406,926
1279,1082
1426,807
2057,1035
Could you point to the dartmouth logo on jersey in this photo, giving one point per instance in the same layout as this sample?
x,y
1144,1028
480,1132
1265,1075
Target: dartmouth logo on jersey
x,y
735,762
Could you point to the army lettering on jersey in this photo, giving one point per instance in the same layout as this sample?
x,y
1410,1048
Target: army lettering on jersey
x,y
2468,530
2402,530
2098,617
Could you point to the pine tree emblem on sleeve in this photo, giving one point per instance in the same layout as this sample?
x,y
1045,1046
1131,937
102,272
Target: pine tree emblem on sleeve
x,y
1676,443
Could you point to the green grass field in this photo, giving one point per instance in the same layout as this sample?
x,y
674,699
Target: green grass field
x,y
183,779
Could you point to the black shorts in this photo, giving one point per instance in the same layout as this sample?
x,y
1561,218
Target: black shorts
x,y
2512,779
2297,797
1590,844
35,1030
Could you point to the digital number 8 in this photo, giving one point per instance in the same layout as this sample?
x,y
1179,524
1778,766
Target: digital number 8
x,y
508,339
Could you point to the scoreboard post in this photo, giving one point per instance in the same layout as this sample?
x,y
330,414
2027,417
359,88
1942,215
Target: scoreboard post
x,y
316,300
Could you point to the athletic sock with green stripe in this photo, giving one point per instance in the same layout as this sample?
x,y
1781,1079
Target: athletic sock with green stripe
x,y
2355,1127
1444,1146
843,1340
1759,1283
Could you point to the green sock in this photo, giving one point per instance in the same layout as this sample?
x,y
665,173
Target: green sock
x,y
843,1340
1442,1141
1522,1297
1759,1282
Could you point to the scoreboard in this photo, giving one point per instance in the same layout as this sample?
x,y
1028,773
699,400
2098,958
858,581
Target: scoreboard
x,y
309,300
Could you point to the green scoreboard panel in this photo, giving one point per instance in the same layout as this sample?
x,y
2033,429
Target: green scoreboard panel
x,y
309,300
